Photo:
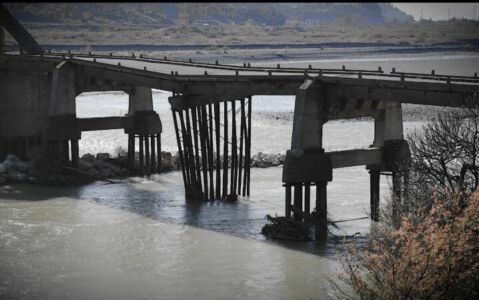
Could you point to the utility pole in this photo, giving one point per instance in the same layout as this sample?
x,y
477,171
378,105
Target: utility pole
x,y
449,14
421,16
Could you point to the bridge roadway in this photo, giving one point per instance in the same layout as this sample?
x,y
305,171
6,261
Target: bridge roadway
x,y
190,68
209,83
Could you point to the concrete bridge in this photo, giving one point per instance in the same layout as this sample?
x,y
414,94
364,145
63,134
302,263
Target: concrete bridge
x,y
211,106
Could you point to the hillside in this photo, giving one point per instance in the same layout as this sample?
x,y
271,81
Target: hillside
x,y
167,14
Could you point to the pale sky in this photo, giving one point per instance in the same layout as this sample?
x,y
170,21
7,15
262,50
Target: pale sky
x,y
439,11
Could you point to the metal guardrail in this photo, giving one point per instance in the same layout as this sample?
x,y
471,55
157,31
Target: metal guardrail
x,y
245,67
310,70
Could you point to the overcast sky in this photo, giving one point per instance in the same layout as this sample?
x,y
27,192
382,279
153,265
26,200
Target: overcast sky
x,y
439,11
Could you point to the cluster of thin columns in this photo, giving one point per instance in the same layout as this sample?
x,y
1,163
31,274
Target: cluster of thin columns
x,y
205,132
21,147
149,160
398,179
298,204
68,150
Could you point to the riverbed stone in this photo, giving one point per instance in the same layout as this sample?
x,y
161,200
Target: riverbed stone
x,y
17,177
88,157
104,173
98,163
84,165
112,167
12,158
103,156
25,166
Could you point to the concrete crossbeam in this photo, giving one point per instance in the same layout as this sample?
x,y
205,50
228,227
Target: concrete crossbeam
x,y
105,123
356,157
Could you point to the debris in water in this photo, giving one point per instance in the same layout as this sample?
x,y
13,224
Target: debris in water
x,y
286,228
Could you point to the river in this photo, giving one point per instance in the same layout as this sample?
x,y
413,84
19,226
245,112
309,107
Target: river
x,y
139,238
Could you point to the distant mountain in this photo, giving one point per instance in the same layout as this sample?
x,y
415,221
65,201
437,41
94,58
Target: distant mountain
x,y
167,14
391,13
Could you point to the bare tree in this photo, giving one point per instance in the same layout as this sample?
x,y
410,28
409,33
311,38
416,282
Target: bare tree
x,y
445,154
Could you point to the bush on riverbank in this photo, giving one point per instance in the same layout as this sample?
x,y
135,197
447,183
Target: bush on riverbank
x,y
426,245
435,259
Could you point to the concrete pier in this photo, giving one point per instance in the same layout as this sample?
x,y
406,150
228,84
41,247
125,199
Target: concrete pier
x,y
146,128
306,164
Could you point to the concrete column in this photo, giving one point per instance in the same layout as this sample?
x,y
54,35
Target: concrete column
x,y
74,152
321,230
374,194
306,162
63,93
298,200
308,117
140,99
388,124
2,40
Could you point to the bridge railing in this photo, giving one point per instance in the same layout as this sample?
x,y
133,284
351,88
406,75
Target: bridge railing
x,y
270,70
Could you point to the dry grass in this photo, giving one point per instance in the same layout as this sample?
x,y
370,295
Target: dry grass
x,y
399,33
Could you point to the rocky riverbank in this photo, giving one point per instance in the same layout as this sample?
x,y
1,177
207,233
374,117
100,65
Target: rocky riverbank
x,y
102,166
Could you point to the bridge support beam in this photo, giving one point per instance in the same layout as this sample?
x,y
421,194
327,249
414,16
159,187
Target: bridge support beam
x,y
2,40
374,179
146,128
203,133
388,135
62,131
307,164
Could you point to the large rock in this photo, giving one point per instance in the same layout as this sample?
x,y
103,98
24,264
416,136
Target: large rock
x,y
88,157
11,163
25,167
93,172
12,158
263,160
98,163
168,161
112,167
258,160
84,165
17,177
103,156
103,173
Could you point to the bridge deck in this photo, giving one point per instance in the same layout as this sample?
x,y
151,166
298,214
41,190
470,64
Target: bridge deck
x,y
235,82
190,68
